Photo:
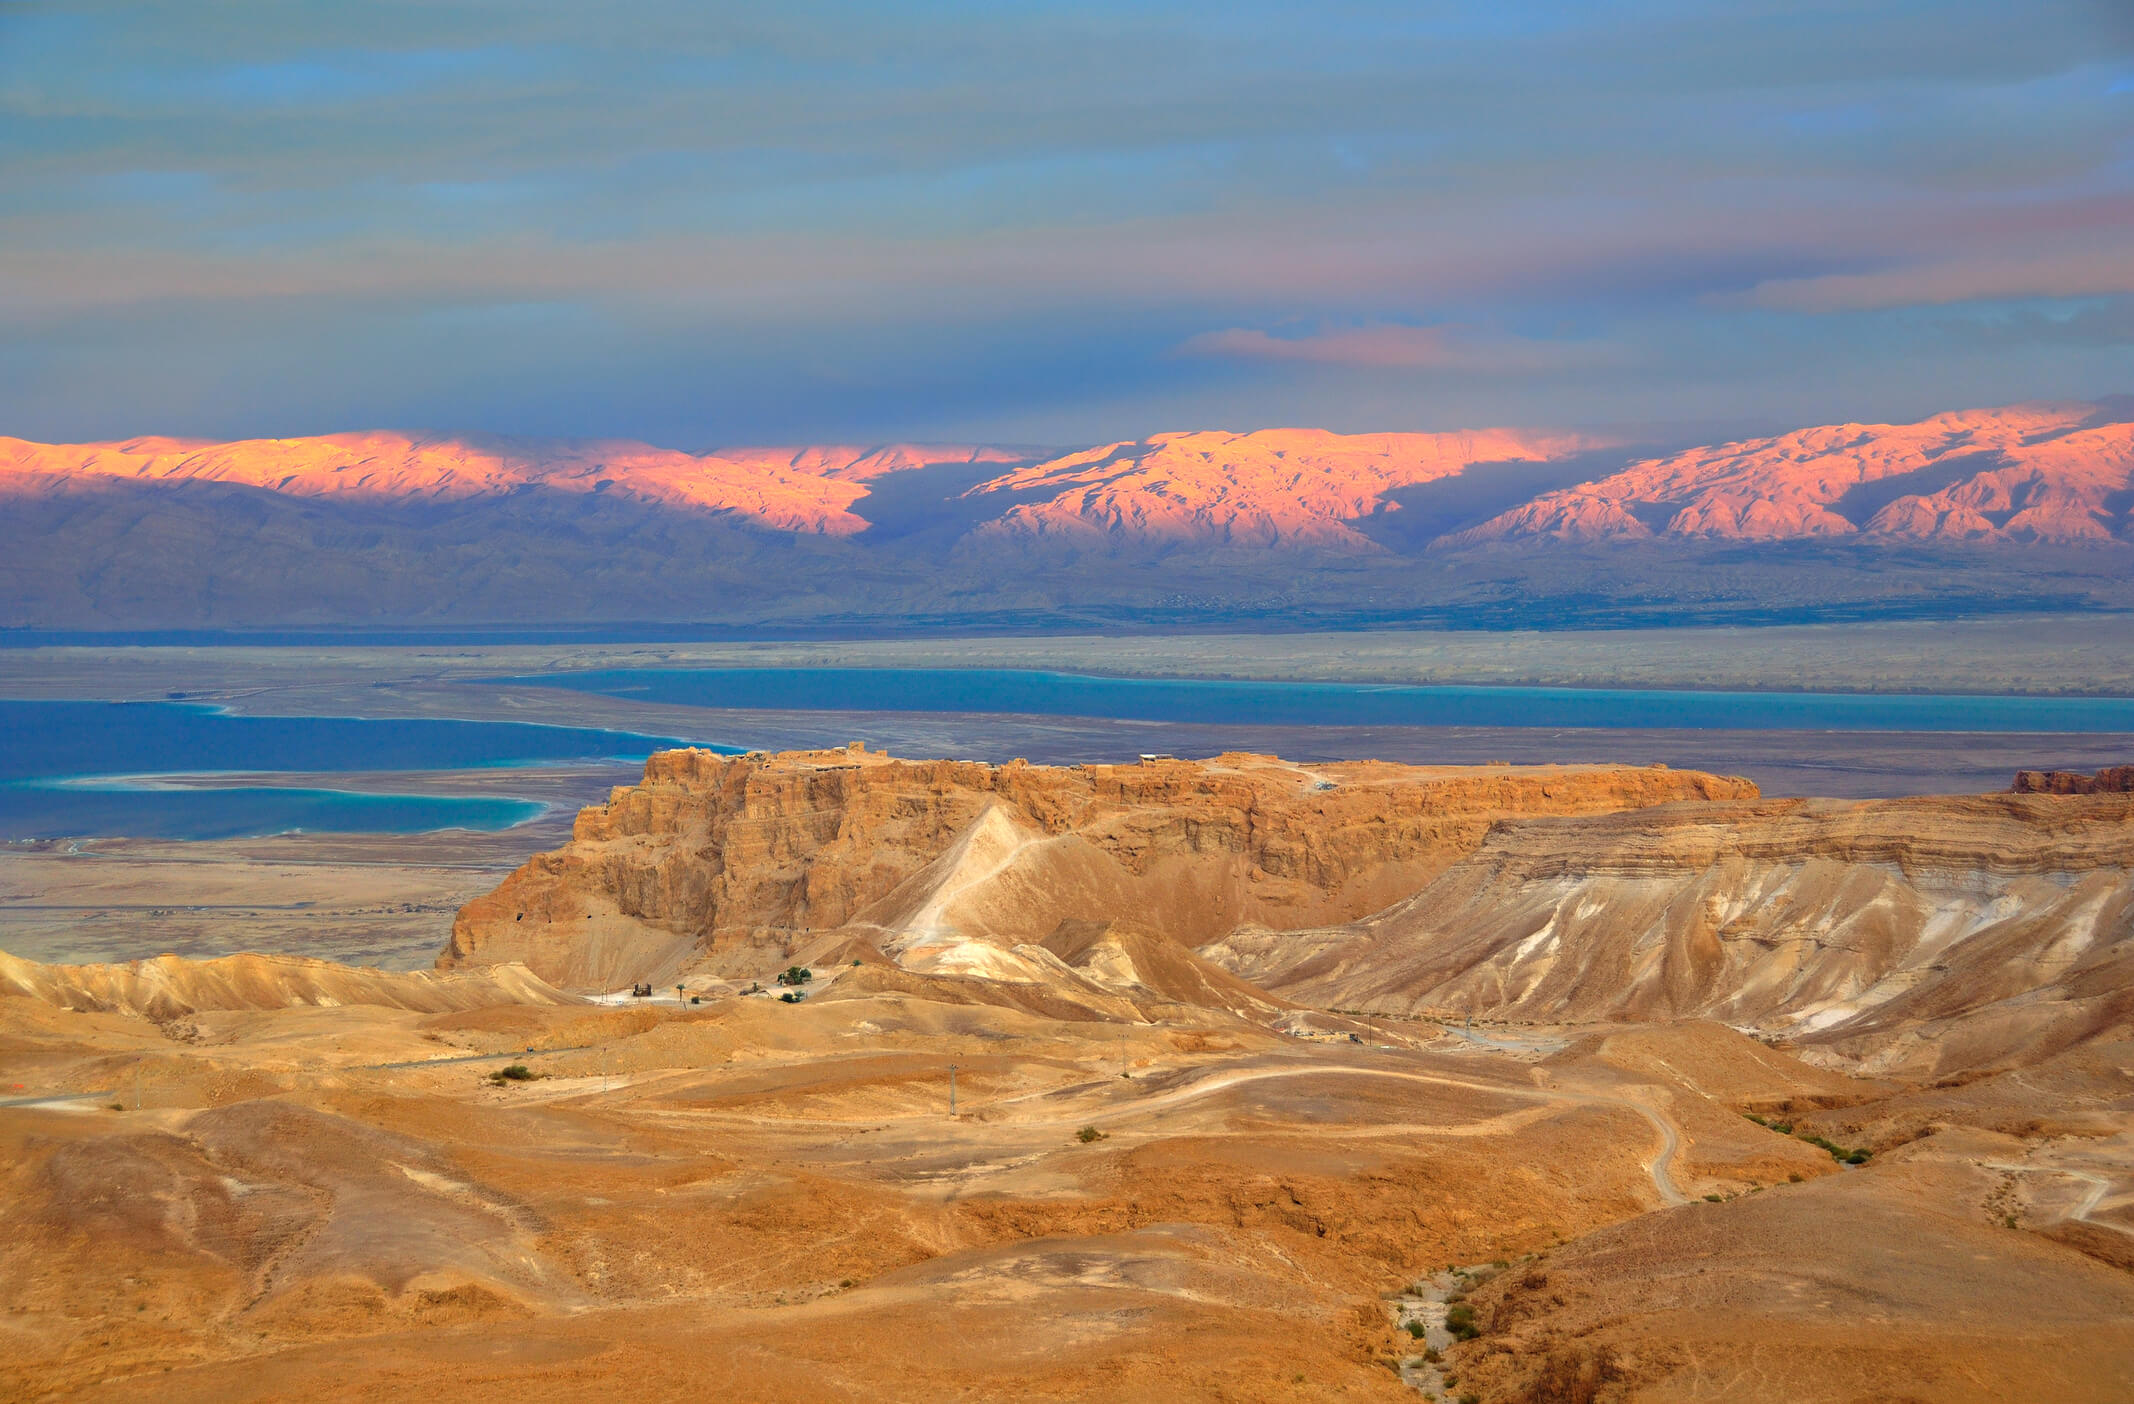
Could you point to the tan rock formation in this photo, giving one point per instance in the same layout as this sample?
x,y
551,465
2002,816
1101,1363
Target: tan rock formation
x,y
2113,780
952,868
1915,936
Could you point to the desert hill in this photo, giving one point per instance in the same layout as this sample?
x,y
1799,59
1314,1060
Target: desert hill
x,y
1924,936
168,987
1990,508
731,865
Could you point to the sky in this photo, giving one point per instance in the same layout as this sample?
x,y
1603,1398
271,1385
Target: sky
x,y
699,223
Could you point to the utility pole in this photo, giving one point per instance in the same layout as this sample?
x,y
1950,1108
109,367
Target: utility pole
x,y
951,1089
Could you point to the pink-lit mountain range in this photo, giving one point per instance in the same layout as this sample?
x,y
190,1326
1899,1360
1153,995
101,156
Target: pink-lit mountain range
x,y
375,526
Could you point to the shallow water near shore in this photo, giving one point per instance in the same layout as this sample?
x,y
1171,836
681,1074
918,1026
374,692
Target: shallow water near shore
x,y
1219,702
176,770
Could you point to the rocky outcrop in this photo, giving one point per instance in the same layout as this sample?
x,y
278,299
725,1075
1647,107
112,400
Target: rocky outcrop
x,y
733,864
1910,936
2113,780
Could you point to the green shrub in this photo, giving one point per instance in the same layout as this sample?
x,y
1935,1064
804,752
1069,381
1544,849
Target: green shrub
x,y
517,1072
1415,1329
1460,1320
1088,1134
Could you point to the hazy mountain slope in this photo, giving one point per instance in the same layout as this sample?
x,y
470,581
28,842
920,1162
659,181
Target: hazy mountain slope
x,y
1277,487
805,489
2022,508
2060,474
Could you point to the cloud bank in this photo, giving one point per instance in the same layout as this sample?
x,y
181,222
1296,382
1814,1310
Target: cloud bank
x,y
703,223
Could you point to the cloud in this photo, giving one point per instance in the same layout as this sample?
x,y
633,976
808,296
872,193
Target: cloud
x,y
2079,273
1393,346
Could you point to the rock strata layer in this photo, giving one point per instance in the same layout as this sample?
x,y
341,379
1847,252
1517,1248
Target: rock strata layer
x,y
1909,936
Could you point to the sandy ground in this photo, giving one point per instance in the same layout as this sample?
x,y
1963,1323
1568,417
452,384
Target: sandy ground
x,y
774,1202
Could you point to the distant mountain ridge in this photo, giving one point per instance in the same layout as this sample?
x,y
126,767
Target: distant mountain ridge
x,y
2027,473
382,526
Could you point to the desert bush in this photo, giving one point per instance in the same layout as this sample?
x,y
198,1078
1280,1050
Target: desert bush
x,y
1573,1376
1088,1134
1415,1329
795,975
517,1072
1460,1320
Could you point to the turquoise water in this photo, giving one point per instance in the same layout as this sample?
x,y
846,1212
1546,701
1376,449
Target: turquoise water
x,y
243,811
90,769
1334,704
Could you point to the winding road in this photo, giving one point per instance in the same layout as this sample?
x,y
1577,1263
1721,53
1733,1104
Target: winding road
x,y
1659,1167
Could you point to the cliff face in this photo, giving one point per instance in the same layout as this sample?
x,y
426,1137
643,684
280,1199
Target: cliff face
x,y
730,864
1914,935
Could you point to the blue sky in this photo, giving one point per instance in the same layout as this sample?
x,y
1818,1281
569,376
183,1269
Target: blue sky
x,y
698,223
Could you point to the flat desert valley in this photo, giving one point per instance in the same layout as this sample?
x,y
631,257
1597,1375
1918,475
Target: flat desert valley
x,y
1230,1078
